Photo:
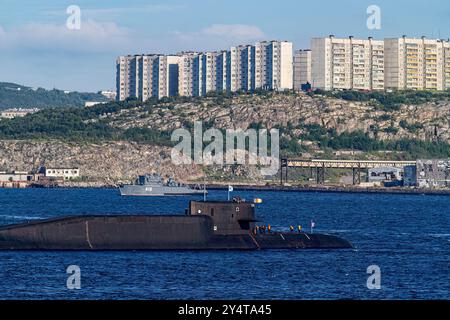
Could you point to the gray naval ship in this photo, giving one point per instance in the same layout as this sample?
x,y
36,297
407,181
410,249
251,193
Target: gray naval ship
x,y
153,185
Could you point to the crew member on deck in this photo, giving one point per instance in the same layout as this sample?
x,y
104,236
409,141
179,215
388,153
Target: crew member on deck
x,y
269,228
299,228
291,228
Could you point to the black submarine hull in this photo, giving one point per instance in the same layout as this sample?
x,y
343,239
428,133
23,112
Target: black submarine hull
x,y
143,232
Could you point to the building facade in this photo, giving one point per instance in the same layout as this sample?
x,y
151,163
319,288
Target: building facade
x,y
15,179
433,173
447,65
65,173
302,68
265,65
347,63
394,64
417,64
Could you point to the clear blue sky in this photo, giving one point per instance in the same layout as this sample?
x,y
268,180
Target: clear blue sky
x,y
37,49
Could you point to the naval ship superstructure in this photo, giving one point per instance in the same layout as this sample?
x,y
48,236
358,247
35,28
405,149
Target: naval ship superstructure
x,y
153,185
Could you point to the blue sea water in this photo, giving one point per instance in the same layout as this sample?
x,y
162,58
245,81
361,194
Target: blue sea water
x,y
407,236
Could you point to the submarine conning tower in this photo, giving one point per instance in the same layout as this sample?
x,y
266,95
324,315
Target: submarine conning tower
x,y
229,217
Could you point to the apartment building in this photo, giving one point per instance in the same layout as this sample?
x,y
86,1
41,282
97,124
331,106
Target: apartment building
x,y
447,64
246,65
169,67
265,65
417,64
208,82
282,61
347,63
148,82
234,68
123,77
187,85
221,71
302,68
145,76
260,54
377,64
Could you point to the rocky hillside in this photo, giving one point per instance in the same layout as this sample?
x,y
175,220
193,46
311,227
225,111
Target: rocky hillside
x,y
117,141
105,163
423,122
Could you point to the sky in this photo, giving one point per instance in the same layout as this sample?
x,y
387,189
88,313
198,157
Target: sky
x,y
37,49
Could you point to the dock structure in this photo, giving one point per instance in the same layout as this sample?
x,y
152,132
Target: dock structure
x,y
319,166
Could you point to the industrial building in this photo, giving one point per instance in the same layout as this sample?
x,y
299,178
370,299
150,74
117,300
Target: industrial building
x,y
385,174
15,179
409,176
433,173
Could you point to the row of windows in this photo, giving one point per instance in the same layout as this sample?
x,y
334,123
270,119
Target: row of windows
x,y
62,171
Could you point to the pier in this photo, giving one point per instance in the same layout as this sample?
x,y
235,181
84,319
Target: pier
x,y
318,167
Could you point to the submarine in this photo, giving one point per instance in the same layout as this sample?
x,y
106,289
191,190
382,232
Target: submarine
x,y
206,225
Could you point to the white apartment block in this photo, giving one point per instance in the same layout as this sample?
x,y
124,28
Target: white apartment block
x,y
188,71
146,76
234,68
147,83
273,65
283,70
302,68
221,71
417,64
123,77
347,63
208,73
168,76
265,65
246,66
